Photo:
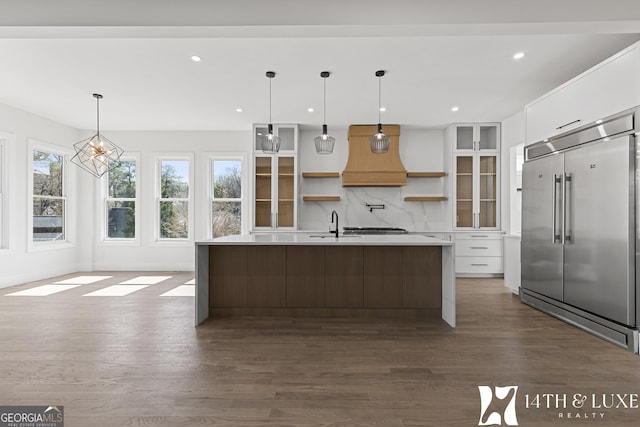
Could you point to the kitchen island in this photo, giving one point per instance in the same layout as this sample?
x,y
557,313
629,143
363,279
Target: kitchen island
x,y
316,274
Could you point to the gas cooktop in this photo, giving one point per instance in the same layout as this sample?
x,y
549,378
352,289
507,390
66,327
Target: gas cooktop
x,y
374,230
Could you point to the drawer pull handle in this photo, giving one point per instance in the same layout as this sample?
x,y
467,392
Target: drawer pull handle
x,y
479,247
568,124
479,235
480,265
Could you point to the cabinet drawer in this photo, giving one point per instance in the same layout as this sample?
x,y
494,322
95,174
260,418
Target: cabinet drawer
x,y
479,247
472,264
478,235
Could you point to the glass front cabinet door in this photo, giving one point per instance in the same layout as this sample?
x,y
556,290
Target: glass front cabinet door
x,y
476,155
275,180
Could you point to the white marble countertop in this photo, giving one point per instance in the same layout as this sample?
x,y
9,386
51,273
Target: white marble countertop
x,y
326,239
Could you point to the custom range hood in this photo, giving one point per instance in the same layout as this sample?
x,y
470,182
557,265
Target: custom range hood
x,y
367,169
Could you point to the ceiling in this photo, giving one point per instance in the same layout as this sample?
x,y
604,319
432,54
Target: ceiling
x,y
437,54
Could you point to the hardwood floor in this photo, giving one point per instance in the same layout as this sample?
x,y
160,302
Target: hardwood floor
x,y
137,360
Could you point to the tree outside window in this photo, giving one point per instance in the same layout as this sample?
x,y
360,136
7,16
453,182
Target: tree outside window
x,y
226,205
121,200
48,197
2,184
174,199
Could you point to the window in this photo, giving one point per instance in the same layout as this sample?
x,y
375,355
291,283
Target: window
x,y
121,200
48,197
173,203
226,197
3,174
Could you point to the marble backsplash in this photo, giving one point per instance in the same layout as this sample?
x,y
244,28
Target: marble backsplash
x,y
352,209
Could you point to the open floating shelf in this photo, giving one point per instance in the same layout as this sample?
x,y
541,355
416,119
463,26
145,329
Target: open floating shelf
x,y
426,174
425,199
321,174
321,198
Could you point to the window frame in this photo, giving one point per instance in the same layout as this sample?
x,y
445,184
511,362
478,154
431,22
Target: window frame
x,y
4,186
68,176
158,159
244,199
104,239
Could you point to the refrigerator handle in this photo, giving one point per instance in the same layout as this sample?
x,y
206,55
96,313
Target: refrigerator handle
x,y
554,195
566,237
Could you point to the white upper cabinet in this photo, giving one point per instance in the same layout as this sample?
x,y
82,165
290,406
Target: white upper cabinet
x,y
288,134
608,88
476,137
275,181
476,187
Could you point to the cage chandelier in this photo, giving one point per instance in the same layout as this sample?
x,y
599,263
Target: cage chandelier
x,y
94,154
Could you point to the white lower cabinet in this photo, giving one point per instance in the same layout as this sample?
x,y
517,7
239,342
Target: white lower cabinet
x,y
479,254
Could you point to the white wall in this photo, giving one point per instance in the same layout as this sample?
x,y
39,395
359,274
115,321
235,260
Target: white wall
x,y
149,254
19,263
513,133
420,150
87,252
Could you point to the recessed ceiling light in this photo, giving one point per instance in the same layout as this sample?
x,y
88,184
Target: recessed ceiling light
x,y
383,109
518,55
454,109
310,110
196,58
238,110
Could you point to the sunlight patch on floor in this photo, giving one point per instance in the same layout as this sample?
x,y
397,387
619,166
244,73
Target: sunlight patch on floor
x,y
145,280
116,291
83,280
41,291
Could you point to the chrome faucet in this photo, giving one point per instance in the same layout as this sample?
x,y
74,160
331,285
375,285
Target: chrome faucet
x,y
337,230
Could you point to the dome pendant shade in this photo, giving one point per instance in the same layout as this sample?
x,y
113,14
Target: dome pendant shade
x,y
379,142
270,143
94,154
324,143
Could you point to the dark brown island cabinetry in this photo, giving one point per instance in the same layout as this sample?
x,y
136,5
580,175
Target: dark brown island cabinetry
x,y
316,280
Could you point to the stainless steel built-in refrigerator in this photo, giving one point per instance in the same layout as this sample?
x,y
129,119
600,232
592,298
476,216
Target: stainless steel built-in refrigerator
x,y
579,228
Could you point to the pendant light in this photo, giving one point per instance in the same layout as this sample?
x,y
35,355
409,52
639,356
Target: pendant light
x,y
324,143
379,142
270,143
94,154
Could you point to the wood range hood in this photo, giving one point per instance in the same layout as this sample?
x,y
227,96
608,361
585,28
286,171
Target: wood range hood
x,y
366,169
